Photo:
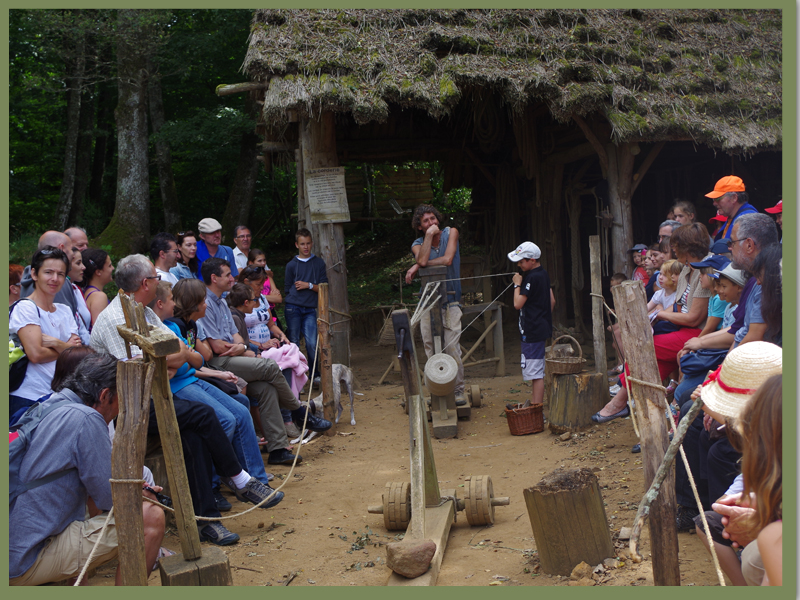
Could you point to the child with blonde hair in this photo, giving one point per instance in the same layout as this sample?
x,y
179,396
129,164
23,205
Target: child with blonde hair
x,y
664,298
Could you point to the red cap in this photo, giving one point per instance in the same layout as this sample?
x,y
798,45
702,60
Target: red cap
x,y
718,217
731,183
778,208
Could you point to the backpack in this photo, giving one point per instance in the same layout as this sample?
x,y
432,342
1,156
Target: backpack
x,y
19,366
19,441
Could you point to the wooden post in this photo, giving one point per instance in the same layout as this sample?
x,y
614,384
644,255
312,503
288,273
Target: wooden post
x,y
598,328
318,150
568,520
324,353
499,350
134,379
430,275
630,305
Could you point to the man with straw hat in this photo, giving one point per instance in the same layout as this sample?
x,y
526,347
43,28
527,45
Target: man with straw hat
x,y
725,394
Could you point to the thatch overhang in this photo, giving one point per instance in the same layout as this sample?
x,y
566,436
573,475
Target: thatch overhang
x,y
709,75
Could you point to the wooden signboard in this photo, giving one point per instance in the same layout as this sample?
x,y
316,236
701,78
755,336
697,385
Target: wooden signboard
x,y
327,197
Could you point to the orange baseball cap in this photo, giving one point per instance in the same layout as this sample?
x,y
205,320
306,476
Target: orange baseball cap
x,y
731,183
778,208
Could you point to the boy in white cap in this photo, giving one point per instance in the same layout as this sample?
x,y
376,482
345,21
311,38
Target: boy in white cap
x,y
534,300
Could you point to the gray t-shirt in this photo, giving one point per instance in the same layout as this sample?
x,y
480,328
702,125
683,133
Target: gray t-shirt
x,y
218,323
752,314
74,436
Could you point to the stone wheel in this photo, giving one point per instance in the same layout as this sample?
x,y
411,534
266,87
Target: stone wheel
x,y
478,501
397,505
475,395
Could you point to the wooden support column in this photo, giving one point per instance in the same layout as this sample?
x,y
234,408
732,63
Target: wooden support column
x,y
318,150
324,363
630,305
598,323
134,379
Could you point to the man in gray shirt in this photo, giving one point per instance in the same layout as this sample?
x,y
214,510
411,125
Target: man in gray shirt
x,y
49,534
264,378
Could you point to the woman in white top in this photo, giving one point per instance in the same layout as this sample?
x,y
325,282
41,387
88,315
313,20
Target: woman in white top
x,y
44,328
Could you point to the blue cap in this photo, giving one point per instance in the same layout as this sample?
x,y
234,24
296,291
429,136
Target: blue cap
x,y
715,262
720,247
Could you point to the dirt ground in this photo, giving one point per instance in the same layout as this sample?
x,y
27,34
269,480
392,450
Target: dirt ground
x,y
322,535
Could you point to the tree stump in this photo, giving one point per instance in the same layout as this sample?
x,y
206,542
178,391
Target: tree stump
x,y
568,520
574,398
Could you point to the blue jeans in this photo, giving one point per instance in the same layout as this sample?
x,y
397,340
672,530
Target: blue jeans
x,y
233,413
302,321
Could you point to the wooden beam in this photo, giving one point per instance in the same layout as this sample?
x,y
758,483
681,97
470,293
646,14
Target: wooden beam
x,y
238,88
651,156
598,323
596,144
324,364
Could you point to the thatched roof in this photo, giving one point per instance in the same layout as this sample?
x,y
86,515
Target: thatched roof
x,y
710,75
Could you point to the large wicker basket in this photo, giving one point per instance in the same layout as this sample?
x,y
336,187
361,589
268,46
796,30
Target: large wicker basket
x,y
567,364
522,421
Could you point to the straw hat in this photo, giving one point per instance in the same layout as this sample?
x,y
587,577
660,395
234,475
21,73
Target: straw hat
x,y
728,389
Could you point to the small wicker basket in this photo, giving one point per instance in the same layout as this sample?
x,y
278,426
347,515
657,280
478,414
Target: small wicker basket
x,y
522,421
567,364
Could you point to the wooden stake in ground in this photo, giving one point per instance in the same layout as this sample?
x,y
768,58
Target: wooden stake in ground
x,y
568,520
630,304
134,379
324,355
598,328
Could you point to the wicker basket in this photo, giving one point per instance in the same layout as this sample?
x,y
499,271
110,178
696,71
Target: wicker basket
x,y
522,421
567,364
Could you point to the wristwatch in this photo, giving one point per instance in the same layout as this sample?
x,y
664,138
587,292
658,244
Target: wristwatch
x,y
515,286
310,285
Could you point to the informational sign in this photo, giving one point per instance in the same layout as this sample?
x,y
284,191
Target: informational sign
x,y
327,198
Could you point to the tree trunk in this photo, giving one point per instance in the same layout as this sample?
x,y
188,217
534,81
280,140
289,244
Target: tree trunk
x,y
318,150
129,229
104,126
240,201
166,181
77,69
84,159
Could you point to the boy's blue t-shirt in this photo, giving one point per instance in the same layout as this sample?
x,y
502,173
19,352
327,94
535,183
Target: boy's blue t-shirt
x,y
716,308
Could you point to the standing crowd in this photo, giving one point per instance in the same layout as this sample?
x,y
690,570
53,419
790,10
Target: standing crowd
x,y
235,385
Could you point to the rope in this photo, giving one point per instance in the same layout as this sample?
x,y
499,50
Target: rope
x,y
94,548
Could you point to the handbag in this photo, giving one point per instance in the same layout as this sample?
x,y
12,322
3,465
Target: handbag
x,y
702,361
19,367
662,327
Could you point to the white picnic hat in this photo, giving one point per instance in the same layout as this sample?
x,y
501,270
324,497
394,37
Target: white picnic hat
x,y
746,367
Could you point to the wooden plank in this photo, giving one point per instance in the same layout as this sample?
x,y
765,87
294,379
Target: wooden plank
x,y
598,323
134,379
486,332
324,364
637,338
158,343
438,521
499,348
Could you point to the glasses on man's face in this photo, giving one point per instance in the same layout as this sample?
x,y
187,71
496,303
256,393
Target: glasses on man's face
x,y
730,242
158,277
243,237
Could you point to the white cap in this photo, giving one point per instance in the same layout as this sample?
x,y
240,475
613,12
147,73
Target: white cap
x,y
525,250
208,225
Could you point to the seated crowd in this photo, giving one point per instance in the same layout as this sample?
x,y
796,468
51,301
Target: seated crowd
x,y
721,313
231,402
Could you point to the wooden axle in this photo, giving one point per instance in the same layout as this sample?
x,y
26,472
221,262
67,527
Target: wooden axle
x,y
377,509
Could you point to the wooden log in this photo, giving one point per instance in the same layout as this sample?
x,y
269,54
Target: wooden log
x,y
238,88
568,520
324,363
212,569
630,304
598,322
574,398
134,379
499,348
